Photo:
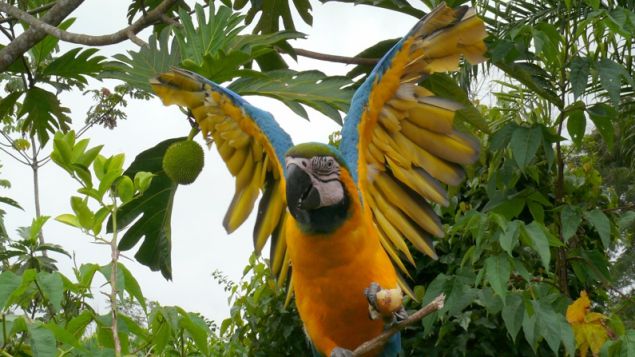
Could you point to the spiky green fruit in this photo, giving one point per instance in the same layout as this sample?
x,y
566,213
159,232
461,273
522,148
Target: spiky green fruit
x,y
183,161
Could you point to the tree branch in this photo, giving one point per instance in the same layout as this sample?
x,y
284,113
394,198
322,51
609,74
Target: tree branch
x,y
82,39
37,10
381,340
33,35
335,58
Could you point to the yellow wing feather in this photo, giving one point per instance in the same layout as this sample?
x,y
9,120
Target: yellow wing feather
x,y
247,152
407,137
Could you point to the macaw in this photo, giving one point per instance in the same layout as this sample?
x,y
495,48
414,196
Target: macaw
x,y
341,216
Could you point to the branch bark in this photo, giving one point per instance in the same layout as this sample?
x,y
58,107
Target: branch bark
x,y
335,58
82,39
37,10
381,340
33,35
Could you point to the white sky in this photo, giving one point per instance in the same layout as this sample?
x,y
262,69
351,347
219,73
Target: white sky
x,y
199,242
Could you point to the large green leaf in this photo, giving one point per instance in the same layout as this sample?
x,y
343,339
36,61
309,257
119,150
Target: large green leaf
x,y
272,11
210,35
602,225
43,114
603,116
536,239
137,68
43,49
533,77
328,95
497,271
42,341
155,209
579,70
76,64
52,287
9,281
611,74
512,314
525,143
576,124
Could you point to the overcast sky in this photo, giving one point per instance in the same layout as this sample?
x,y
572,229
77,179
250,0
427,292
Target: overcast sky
x,y
199,242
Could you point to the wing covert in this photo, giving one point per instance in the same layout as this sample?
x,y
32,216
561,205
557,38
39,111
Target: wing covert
x,y
252,145
399,138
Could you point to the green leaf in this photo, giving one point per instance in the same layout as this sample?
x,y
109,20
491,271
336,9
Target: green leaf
x,y
602,225
524,144
42,341
626,220
36,227
579,70
69,219
132,286
533,77
576,125
546,41
537,240
43,49
125,189
76,65
43,114
497,271
198,332
274,12
509,238
138,67
52,287
7,105
155,209
512,314
603,117
529,329
84,215
611,74
142,181
63,335
570,220
328,95
9,282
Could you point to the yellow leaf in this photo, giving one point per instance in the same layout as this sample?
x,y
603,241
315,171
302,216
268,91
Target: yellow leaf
x,y
588,327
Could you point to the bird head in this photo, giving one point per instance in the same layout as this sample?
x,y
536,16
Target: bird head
x,y
316,195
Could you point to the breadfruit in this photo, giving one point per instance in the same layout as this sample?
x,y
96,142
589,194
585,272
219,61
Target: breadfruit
x,y
183,161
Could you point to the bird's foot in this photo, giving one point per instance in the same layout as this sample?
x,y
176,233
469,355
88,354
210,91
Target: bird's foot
x,y
341,352
385,303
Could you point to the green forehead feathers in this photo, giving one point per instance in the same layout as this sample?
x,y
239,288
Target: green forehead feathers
x,y
308,150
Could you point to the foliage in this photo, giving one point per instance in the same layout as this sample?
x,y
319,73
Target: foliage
x,y
250,329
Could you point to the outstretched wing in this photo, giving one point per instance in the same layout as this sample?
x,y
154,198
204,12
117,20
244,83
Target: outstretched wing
x,y
251,143
399,138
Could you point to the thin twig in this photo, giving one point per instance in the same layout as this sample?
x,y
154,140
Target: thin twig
x,y
335,58
83,39
381,340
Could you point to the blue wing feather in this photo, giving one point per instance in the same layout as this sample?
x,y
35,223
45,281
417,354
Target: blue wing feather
x,y
350,131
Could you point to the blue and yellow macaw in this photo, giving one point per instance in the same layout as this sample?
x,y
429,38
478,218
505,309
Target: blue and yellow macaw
x,y
341,217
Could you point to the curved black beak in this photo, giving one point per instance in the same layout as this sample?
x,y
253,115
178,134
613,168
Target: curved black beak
x,y
301,195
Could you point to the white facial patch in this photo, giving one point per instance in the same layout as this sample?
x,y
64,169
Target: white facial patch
x,y
324,172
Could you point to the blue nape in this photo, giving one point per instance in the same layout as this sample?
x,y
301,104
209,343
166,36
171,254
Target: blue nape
x,y
392,349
